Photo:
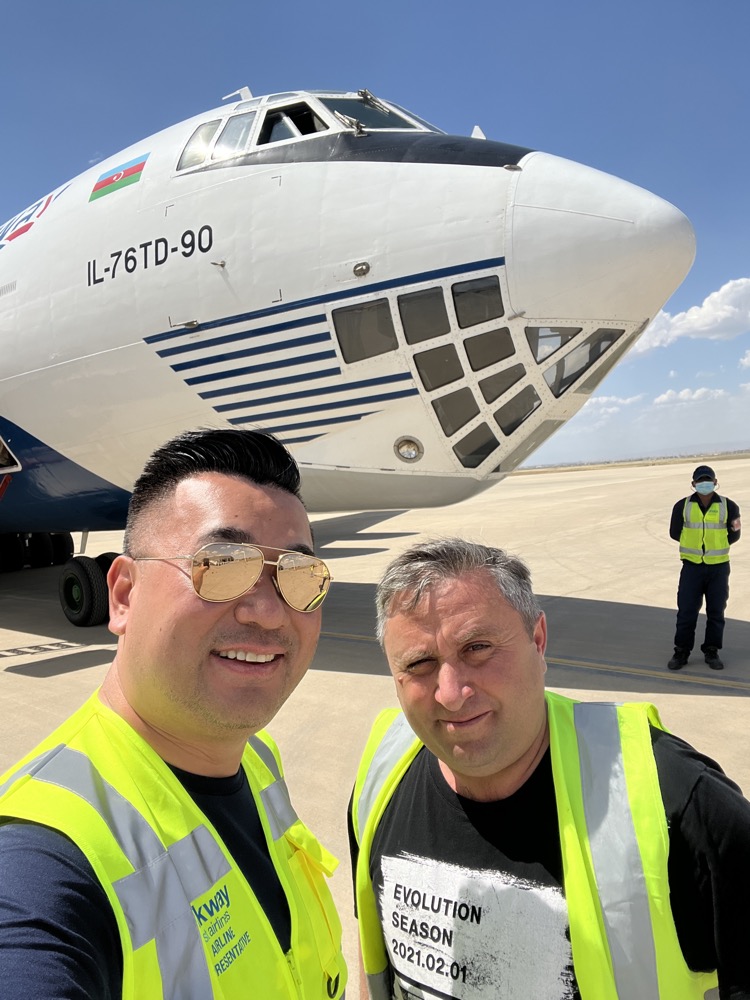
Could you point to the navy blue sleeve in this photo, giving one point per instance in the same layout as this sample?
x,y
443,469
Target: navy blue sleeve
x,y
677,520
58,934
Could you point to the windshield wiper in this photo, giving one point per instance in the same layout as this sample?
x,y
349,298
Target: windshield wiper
x,y
373,101
349,122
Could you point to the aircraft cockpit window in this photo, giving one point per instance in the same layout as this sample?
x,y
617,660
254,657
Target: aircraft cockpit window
x,y
372,116
234,136
477,301
365,330
545,340
290,123
420,121
423,315
195,151
570,368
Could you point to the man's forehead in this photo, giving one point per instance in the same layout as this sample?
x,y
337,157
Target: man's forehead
x,y
426,612
215,506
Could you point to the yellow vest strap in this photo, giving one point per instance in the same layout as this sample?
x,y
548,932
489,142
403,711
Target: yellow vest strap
x,y
186,870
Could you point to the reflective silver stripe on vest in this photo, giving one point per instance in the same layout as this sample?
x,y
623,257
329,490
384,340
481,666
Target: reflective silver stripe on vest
x,y
617,862
159,892
397,740
31,768
276,802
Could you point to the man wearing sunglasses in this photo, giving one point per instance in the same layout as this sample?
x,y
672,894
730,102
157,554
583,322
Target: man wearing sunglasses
x,y
148,847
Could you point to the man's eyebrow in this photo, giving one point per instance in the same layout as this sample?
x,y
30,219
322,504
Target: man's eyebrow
x,y
239,535
414,655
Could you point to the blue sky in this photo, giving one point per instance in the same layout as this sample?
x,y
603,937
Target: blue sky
x,y
655,92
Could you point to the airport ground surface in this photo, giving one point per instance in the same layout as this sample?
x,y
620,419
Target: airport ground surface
x,y
597,542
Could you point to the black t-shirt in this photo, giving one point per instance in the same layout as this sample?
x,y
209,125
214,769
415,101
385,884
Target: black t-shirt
x,y
58,934
455,879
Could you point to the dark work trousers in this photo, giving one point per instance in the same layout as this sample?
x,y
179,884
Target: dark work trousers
x,y
699,580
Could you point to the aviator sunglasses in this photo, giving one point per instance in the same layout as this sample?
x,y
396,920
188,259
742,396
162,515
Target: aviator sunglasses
x,y
224,571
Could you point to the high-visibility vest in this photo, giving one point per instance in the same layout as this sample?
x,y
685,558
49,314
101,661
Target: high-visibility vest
x,y
190,926
704,537
614,840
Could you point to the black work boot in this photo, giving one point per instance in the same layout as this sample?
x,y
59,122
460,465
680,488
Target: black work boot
x,y
711,656
679,659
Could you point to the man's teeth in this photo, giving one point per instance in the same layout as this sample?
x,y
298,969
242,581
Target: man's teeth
x,y
240,654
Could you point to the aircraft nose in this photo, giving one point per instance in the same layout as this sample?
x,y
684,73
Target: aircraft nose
x,y
583,244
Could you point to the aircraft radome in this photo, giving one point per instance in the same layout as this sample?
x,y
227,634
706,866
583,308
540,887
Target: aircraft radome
x,y
412,313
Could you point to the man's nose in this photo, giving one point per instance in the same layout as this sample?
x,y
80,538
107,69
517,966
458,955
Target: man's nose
x,y
262,604
453,687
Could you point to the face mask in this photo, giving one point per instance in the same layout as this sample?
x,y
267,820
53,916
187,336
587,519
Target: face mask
x,y
705,489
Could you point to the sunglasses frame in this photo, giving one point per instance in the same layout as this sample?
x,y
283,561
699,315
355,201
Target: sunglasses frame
x,y
265,562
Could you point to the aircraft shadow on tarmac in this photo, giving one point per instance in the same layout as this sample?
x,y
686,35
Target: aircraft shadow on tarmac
x,y
347,527
598,645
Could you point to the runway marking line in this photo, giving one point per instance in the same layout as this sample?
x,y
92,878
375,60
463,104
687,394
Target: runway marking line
x,y
719,682
41,647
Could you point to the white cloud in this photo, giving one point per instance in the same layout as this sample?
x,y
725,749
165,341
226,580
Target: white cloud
x,y
745,360
723,315
609,401
689,396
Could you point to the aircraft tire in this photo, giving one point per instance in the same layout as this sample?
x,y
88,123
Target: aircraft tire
x,y
39,550
62,547
12,553
83,592
105,560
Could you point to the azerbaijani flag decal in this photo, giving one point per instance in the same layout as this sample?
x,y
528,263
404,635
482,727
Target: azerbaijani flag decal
x,y
119,177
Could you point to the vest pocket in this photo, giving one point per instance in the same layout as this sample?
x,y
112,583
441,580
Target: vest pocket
x,y
322,916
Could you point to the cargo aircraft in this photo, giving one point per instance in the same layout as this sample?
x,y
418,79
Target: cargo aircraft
x,y
411,312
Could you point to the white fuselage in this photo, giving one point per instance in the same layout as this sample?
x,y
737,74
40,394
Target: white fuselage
x,y
346,299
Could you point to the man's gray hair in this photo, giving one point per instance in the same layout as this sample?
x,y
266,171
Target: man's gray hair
x,y
410,575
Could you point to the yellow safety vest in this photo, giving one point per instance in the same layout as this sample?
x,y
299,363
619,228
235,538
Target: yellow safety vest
x,y
190,926
614,840
704,537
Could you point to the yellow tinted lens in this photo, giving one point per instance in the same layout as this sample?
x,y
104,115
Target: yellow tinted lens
x,y
224,570
303,580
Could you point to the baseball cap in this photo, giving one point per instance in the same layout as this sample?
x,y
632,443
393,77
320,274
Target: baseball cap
x,y
703,472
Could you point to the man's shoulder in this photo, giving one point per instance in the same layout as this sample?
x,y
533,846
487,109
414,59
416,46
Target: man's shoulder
x,y
681,768
55,918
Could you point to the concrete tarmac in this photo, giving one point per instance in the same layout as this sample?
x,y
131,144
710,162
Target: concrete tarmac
x,y
597,543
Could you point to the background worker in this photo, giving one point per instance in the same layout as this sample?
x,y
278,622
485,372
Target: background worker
x,y
511,843
147,850
705,524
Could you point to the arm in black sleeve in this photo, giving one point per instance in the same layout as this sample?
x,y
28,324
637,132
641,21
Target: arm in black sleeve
x,y
677,520
709,863
733,512
58,934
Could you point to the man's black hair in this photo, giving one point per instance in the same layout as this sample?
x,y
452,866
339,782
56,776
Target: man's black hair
x,y
254,455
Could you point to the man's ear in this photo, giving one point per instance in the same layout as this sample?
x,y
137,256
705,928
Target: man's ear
x,y
540,634
120,581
